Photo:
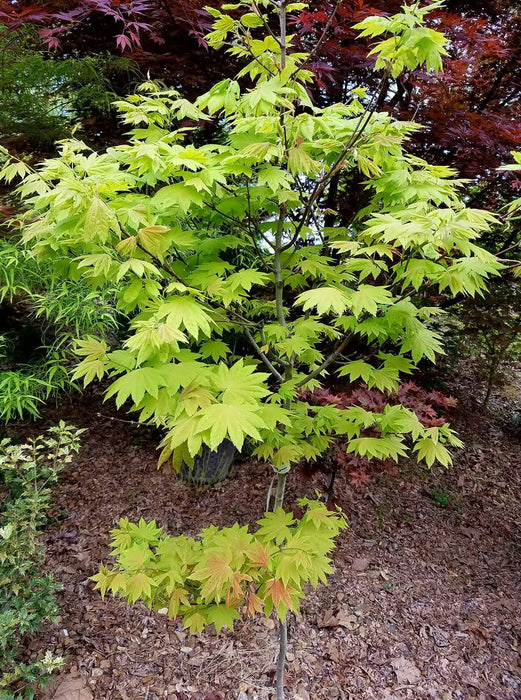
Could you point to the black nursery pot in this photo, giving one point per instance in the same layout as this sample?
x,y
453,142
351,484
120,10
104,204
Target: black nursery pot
x,y
210,466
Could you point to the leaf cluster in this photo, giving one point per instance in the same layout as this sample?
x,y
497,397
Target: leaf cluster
x,y
223,573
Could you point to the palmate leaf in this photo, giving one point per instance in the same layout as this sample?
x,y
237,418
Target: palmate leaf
x,y
216,349
139,586
88,370
177,598
221,616
276,526
194,622
367,298
325,300
291,562
135,557
228,420
274,178
216,572
422,342
388,447
240,383
188,312
432,451
279,592
135,384
179,195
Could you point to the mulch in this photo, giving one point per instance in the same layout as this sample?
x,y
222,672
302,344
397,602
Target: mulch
x,y
425,601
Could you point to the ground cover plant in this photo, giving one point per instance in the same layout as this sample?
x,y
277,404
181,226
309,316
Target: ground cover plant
x,y
28,472
242,299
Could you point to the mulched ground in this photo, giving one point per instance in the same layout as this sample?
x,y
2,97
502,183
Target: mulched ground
x,y
425,601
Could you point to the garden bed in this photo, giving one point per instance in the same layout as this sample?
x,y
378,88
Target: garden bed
x,y
425,601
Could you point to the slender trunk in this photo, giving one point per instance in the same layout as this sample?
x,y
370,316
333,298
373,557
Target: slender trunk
x,y
279,493
491,377
283,32
281,660
329,489
279,299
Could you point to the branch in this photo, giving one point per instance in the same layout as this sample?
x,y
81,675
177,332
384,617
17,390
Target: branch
x,y
263,357
329,360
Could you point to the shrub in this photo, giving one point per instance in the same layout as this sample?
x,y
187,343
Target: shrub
x,y
39,318
427,406
27,473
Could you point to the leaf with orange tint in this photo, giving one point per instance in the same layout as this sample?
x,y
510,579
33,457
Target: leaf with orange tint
x,y
278,592
216,571
235,593
253,604
259,555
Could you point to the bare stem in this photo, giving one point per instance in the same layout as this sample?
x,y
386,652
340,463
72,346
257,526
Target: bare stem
x,y
281,660
283,32
279,493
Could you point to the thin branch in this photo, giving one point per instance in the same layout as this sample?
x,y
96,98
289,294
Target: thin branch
x,y
263,357
329,360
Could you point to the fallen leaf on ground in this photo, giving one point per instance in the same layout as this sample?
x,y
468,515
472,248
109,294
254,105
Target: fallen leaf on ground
x,y
406,671
360,564
72,689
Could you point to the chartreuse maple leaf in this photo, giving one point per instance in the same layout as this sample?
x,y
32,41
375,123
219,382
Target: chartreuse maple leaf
x,y
139,585
135,384
209,579
276,526
235,421
221,616
94,364
325,300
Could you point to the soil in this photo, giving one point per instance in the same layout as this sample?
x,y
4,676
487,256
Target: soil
x,y
425,601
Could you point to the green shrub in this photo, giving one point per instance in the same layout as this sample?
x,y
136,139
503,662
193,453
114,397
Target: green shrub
x,y
47,315
42,95
27,473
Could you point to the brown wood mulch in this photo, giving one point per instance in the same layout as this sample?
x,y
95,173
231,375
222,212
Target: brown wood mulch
x,y
425,601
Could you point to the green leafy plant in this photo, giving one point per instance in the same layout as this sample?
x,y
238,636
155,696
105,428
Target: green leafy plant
x,y
441,497
42,96
491,327
241,298
43,315
163,218
27,473
212,578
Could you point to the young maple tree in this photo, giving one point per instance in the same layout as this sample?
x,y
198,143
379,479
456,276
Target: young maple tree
x,y
241,298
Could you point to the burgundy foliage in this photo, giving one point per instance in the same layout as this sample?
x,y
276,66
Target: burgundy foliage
x,y
429,407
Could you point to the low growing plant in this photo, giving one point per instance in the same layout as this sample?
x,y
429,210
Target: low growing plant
x,y
27,474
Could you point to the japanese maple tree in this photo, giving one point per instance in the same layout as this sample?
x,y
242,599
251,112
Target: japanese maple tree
x,y
242,296
470,110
